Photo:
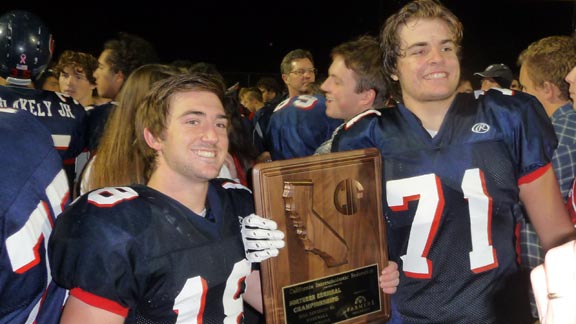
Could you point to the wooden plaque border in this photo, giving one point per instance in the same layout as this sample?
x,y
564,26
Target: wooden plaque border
x,y
347,194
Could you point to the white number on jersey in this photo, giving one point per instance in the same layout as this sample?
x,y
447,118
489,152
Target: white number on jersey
x,y
23,246
305,102
111,196
428,190
190,303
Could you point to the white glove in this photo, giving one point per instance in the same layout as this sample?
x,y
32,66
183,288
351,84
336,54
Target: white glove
x,y
261,238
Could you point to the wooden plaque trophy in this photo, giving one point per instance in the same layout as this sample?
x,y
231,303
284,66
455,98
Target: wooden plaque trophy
x,y
330,208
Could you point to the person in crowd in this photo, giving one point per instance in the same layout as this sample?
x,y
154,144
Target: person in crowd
x,y
34,192
439,185
515,85
34,184
271,91
26,47
544,65
495,76
355,86
465,85
298,72
47,80
75,76
251,98
188,256
298,126
120,56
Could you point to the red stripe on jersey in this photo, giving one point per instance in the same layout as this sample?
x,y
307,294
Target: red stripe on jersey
x,y
203,302
534,174
99,302
36,259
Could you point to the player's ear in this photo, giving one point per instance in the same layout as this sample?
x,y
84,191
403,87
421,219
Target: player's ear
x,y
120,78
368,97
152,141
394,77
550,90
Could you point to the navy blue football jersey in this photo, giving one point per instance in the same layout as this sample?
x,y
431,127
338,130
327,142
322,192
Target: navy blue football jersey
x,y
449,202
141,254
33,193
298,126
63,116
97,118
260,124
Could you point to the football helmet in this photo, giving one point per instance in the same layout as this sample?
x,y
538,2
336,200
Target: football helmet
x,y
26,46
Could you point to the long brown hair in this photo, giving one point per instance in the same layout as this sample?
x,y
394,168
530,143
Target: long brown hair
x,y
115,162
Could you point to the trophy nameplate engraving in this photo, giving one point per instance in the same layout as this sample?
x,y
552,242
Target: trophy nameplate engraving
x,y
330,208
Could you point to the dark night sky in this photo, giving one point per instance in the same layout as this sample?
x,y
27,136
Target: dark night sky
x,y
252,36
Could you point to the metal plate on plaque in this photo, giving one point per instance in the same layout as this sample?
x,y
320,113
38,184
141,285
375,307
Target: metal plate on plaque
x,y
329,207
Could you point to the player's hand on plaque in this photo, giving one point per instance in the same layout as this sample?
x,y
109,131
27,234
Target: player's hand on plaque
x,y
389,278
261,238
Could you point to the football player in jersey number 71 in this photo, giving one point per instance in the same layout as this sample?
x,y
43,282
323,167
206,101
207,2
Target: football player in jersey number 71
x,y
455,168
179,249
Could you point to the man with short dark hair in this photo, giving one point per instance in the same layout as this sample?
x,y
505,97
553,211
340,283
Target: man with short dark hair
x,y
120,57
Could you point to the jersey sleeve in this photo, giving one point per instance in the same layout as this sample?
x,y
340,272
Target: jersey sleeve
x,y
93,252
363,131
298,127
528,129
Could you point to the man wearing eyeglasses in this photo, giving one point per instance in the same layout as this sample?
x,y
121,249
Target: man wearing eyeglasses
x,y
298,72
299,124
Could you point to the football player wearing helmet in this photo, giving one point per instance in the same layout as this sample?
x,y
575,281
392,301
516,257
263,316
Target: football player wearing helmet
x,y
455,167
33,193
179,249
26,47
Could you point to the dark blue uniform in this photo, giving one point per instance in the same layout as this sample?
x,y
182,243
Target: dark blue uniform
x,y
298,126
449,202
97,118
63,116
141,254
33,193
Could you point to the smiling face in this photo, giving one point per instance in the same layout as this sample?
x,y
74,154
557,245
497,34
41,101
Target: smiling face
x,y
428,70
195,142
342,100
